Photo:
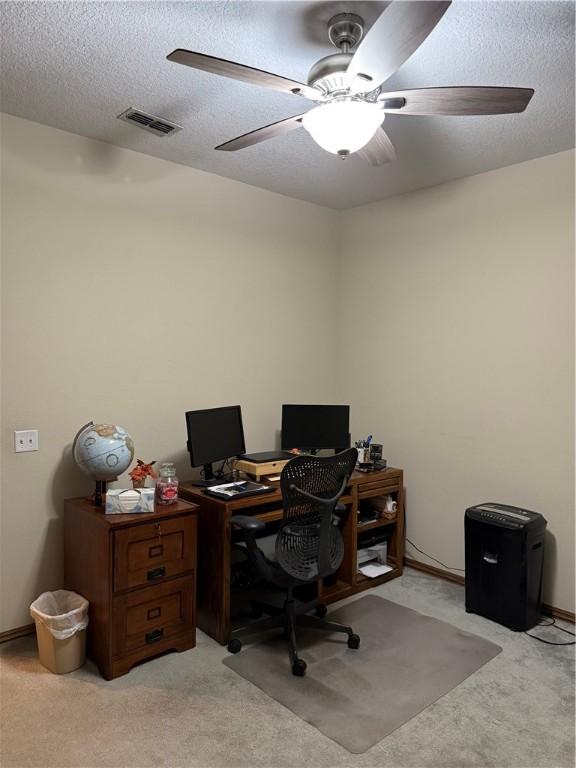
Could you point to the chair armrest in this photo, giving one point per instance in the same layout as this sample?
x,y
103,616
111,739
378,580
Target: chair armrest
x,y
247,523
250,526
339,514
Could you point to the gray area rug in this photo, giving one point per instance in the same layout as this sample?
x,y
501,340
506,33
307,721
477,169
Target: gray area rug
x,y
406,661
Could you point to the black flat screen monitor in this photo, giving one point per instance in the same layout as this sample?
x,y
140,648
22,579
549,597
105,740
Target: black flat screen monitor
x,y
214,434
315,426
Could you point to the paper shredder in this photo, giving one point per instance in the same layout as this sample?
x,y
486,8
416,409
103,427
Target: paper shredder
x,y
504,557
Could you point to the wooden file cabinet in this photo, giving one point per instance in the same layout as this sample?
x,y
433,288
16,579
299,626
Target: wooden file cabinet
x,y
138,573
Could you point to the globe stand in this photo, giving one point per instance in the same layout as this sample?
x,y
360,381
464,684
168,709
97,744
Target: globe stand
x,y
99,492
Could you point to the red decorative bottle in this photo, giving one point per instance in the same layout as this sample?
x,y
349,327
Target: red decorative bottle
x,y
167,484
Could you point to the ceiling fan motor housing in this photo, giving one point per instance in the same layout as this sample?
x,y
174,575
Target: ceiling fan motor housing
x,y
345,30
328,74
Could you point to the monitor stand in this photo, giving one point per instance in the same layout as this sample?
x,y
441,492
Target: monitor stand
x,y
215,481
209,480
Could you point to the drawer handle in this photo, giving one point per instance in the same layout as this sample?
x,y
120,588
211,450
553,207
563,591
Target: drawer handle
x,y
156,573
154,636
153,613
156,550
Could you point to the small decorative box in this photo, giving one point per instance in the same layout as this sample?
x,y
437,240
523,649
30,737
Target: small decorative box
x,y
129,501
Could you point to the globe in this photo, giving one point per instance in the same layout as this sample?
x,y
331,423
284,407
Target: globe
x,y
103,451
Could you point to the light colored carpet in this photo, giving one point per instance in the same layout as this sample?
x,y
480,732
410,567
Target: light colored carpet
x,y
406,661
189,710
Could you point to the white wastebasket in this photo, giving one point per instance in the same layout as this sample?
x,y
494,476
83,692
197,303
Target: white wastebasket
x,y
61,618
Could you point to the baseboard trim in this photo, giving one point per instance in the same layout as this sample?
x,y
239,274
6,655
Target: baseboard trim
x,y
13,634
433,571
558,613
549,610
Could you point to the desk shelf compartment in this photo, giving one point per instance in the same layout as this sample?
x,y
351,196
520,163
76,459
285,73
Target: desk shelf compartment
x,y
382,522
372,549
372,496
365,582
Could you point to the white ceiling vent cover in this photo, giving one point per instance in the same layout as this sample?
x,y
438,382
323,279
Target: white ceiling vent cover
x,y
159,126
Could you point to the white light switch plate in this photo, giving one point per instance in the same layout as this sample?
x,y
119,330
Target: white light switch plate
x,y
25,440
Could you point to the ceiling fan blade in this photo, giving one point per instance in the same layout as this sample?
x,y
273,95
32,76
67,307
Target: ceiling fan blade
x,y
399,30
262,134
244,73
379,149
459,100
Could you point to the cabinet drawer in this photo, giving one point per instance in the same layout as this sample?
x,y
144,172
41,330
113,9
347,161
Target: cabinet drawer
x,y
148,617
379,487
148,553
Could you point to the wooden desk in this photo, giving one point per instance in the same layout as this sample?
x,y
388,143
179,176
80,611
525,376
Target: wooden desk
x,y
138,573
215,541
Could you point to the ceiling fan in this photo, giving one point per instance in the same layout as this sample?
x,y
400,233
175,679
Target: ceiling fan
x,y
347,87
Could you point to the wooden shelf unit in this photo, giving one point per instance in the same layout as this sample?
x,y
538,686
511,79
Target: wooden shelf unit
x,y
215,602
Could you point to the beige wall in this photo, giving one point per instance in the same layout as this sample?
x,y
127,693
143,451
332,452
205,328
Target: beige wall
x,y
457,350
129,283
127,279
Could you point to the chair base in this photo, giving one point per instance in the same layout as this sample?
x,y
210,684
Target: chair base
x,y
292,615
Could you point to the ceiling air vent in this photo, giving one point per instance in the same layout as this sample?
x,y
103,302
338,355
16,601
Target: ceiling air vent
x,y
156,125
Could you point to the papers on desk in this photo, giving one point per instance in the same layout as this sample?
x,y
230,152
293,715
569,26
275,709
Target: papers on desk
x,y
233,489
237,490
372,570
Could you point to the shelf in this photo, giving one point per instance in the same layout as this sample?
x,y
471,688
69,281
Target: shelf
x,y
365,581
380,523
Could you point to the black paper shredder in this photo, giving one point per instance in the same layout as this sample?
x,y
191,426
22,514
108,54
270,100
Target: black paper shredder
x,y
504,557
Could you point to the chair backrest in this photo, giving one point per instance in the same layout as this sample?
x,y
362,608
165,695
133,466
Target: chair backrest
x,y
308,546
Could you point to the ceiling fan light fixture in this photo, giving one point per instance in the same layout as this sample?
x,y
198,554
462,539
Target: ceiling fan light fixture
x,y
343,127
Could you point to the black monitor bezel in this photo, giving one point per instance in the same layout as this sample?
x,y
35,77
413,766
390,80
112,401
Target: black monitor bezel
x,y
345,436
205,461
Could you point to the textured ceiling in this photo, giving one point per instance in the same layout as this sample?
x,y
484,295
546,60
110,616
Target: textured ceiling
x,y
77,65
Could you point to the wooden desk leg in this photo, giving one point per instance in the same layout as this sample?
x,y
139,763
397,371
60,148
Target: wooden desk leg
x,y
400,541
214,541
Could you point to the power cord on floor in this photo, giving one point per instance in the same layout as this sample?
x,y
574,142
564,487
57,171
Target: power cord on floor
x,y
552,623
433,558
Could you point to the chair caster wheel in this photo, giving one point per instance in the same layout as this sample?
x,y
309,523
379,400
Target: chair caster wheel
x,y
299,668
234,645
321,611
354,642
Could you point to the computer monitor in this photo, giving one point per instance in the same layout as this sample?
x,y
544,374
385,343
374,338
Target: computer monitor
x,y
312,427
214,434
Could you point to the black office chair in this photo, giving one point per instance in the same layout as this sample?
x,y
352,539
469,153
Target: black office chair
x,y
309,547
